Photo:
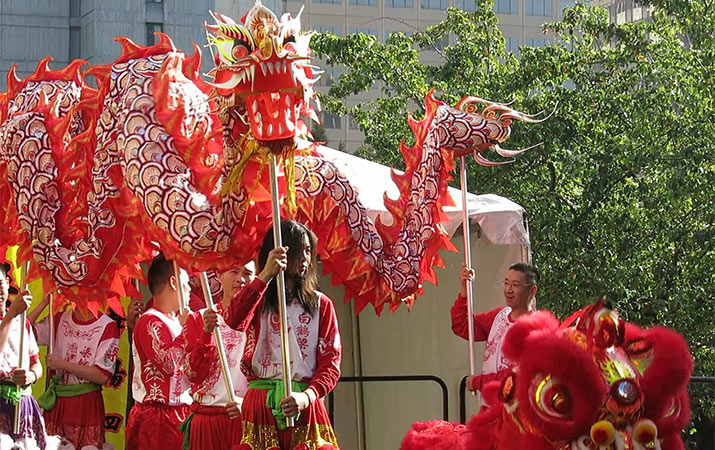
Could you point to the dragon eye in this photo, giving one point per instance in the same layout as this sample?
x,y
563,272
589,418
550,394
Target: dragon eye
x,y
239,51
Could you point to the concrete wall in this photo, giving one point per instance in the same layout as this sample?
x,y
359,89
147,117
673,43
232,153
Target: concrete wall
x,y
416,342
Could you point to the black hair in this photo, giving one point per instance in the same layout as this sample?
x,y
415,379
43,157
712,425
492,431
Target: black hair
x,y
293,235
160,270
533,276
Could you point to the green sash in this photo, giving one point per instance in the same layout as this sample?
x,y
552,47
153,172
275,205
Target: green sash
x,y
49,398
14,393
276,392
185,428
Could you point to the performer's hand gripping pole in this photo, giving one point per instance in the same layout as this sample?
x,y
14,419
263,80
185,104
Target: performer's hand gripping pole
x,y
179,290
219,340
20,350
280,279
467,261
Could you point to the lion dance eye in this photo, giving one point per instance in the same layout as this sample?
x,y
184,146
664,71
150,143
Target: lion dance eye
x,y
602,433
552,398
645,432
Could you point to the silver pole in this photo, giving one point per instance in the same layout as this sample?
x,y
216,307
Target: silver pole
x,y
51,320
219,340
280,279
467,261
23,318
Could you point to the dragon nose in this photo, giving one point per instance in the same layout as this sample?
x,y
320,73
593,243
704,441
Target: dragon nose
x,y
625,391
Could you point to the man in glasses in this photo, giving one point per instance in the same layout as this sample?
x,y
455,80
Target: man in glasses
x,y
520,286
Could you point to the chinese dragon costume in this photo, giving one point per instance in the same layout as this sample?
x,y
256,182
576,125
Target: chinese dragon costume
x,y
593,382
96,180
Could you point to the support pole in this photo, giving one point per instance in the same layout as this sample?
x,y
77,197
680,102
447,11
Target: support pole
x,y
280,280
51,320
467,261
20,350
219,340
179,290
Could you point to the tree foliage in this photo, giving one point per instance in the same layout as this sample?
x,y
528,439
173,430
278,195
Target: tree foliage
x,y
620,194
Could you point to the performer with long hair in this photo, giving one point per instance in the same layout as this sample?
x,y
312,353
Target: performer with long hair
x,y
314,342
159,385
215,421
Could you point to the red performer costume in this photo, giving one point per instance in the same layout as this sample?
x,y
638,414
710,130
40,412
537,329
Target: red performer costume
x,y
159,385
15,382
520,286
314,347
81,362
215,423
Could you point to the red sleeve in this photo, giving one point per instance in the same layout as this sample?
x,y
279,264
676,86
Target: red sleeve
x,y
153,341
327,370
482,322
201,355
244,303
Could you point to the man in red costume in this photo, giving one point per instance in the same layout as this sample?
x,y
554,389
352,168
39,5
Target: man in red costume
x,y
314,345
520,287
215,423
159,385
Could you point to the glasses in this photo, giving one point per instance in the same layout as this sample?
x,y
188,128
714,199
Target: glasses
x,y
508,284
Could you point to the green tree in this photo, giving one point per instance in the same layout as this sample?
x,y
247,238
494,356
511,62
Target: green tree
x,y
620,194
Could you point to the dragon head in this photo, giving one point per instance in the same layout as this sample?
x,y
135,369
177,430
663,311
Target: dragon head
x,y
472,131
263,69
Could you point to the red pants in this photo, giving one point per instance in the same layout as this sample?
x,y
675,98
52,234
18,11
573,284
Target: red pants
x,y
212,429
156,426
312,430
79,419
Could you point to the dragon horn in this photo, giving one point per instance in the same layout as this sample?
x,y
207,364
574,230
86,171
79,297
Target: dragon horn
x,y
482,161
512,153
530,118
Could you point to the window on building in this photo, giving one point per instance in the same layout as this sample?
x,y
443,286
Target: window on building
x,y
335,30
442,42
335,2
329,76
434,4
563,4
331,121
400,3
364,2
75,39
467,5
367,31
512,45
506,6
538,8
352,124
536,42
75,8
154,1
152,28
406,33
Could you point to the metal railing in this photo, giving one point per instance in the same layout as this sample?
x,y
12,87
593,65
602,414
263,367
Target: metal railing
x,y
392,378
